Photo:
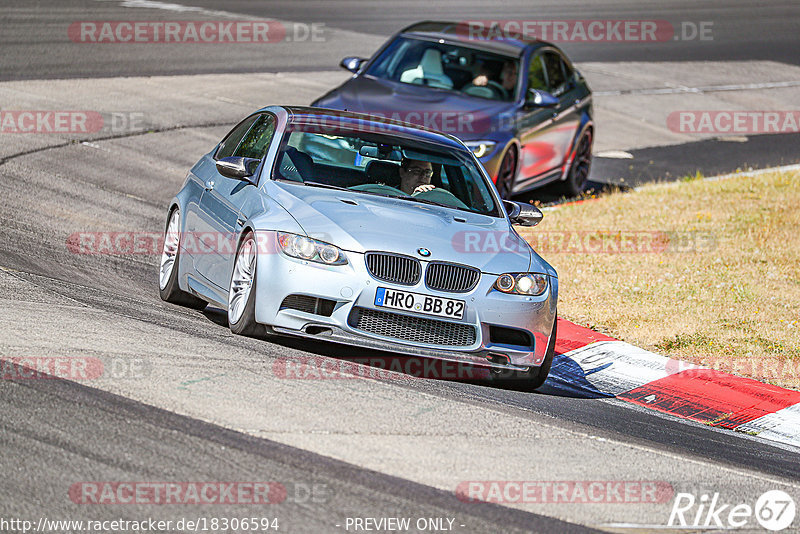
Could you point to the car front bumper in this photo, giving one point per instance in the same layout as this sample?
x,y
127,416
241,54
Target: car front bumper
x,y
353,289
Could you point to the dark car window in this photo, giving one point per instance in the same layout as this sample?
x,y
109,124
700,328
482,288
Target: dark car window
x,y
536,78
255,143
335,158
556,79
231,141
448,66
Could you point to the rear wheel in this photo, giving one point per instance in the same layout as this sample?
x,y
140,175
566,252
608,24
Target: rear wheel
x,y
242,292
578,175
534,377
507,174
168,287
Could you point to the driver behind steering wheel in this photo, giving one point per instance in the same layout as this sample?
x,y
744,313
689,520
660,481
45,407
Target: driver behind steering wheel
x,y
508,79
415,176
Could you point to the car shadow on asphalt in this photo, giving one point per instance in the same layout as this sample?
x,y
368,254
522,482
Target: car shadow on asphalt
x,y
329,360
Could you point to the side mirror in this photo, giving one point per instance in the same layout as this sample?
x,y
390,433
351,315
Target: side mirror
x,y
238,168
523,214
540,99
353,64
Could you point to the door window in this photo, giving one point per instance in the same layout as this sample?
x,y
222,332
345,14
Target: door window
x,y
232,140
556,78
249,139
536,78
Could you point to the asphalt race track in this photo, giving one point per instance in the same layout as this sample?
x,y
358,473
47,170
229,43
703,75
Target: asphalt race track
x,y
184,400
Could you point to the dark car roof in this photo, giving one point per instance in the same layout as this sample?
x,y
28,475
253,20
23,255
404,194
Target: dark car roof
x,y
454,32
358,121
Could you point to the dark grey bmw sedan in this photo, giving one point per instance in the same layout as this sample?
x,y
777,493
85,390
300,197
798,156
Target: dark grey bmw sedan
x,y
518,103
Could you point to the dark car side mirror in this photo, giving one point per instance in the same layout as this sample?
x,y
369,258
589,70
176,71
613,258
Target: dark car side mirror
x,y
238,168
353,64
540,99
523,214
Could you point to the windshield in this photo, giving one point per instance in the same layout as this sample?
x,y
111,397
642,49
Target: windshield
x,y
389,166
447,66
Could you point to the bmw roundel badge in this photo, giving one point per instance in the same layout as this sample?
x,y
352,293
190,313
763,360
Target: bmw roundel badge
x,y
424,252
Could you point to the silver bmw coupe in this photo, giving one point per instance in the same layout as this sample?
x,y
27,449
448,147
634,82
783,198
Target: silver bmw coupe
x,y
374,233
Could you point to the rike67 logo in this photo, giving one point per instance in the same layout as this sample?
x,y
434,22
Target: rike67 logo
x,y
774,511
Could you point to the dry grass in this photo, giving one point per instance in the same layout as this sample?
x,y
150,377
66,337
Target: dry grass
x,y
731,302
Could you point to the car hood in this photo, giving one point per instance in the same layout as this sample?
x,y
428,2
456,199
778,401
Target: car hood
x,y
360,222
462,116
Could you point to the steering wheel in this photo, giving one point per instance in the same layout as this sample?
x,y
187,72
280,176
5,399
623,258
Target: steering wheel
x,y
378,188
442,196
498,89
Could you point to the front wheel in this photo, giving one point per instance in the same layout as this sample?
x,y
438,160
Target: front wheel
x,y
534,377
242,292
578,175
168,287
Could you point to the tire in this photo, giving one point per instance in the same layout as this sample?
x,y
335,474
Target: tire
x,y
168,287
507,174
242,290
534,377
578,175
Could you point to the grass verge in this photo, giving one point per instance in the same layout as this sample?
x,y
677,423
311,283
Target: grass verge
x,y
702,271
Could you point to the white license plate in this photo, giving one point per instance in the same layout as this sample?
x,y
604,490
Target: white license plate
x,y
416,302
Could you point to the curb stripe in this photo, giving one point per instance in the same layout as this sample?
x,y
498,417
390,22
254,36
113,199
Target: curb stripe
x,y
616,367
595,365
712,397
572,336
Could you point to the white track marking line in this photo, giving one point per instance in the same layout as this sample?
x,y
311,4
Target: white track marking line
x,y
178,8
699,90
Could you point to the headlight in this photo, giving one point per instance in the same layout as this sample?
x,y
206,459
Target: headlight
x,y
521,283
305,248
481,148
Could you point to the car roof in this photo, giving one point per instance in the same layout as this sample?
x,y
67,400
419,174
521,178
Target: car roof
x,y
454,32
360,122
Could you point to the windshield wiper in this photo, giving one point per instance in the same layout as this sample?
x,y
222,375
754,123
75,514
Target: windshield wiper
x,y
326,186
423,200
404,197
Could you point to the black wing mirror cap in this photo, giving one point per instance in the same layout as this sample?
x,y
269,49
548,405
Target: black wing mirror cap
x,y
238,168
523,214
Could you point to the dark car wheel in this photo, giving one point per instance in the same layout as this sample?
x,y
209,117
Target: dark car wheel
x,y
534,377
578,175
506,174
168,287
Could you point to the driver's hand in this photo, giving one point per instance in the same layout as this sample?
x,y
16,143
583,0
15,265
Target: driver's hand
x,y
481,79
422,188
